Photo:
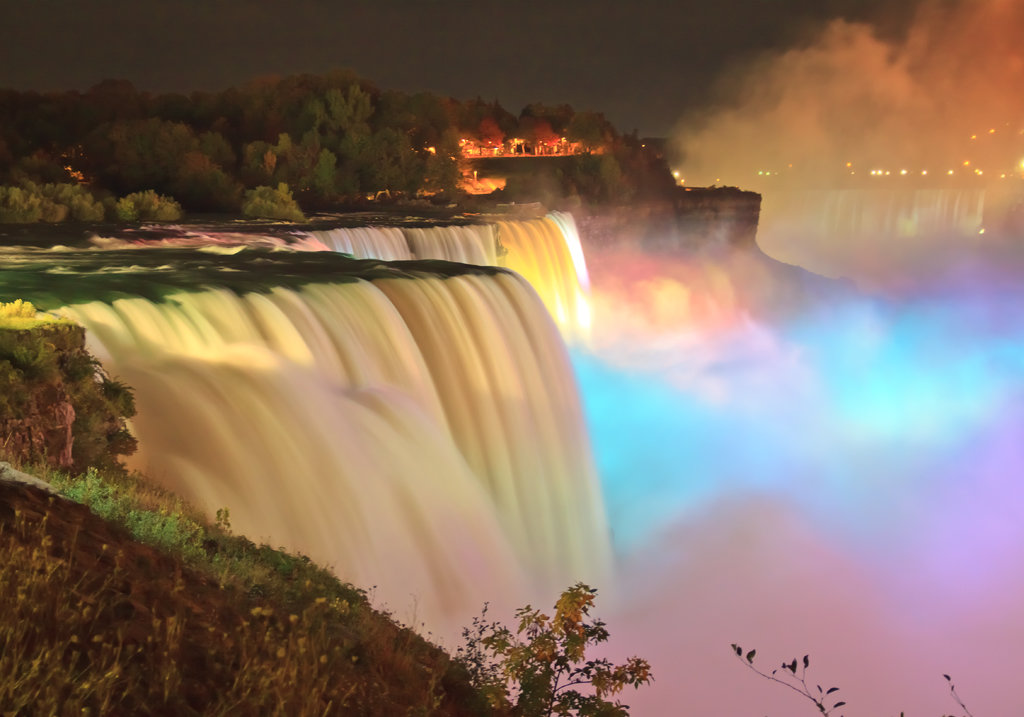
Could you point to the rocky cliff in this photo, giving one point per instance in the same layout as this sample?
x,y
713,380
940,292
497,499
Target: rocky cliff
x,y
685,220
56,404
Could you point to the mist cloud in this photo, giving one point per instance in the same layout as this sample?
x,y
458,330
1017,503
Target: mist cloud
x,y
850,96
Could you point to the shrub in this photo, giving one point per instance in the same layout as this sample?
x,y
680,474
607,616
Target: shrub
x,y
269,203
163,528
17,309
540,665
80,204
147,206
54,202
19,206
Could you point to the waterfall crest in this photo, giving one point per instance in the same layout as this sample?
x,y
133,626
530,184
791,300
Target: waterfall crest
x,y
546,251
464,243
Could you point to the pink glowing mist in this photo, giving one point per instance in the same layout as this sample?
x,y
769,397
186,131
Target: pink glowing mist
x,y
835,475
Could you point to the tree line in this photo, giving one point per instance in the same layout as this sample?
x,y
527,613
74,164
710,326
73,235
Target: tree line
x,y
330,138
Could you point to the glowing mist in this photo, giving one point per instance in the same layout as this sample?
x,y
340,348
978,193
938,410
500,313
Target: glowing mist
x,y
840,480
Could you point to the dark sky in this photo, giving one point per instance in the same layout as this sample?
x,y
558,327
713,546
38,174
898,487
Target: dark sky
x,y
643,63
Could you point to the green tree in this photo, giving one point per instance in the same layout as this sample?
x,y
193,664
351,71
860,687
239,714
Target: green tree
x,y
218,149
536,671
324,172
591,130
20,206
203,186
442,171
139,154
389,163
349,112
258,163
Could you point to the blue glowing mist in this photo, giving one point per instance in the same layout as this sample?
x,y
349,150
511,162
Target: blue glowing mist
x,y
845,481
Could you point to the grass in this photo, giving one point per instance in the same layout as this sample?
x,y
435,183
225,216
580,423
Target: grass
x,y
131,602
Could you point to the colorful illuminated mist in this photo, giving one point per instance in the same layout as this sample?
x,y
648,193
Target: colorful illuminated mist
x,y
842,481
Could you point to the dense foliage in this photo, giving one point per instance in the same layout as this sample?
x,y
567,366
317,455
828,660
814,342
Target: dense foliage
x,y
56,402
272,203
330,138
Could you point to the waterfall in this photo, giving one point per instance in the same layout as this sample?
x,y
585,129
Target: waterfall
x,y
547,253
386,243
469,244
416,431
875,236
854,213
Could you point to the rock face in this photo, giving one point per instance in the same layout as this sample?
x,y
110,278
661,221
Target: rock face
x,y
686,220
56,405
10,474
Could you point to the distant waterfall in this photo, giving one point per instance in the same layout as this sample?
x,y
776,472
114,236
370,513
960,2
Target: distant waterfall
x,y
851,213
419,431
872,235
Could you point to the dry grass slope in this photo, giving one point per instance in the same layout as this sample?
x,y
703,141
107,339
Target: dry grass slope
x,y
98,623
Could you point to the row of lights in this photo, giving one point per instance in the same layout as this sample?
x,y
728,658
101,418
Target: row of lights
x,y
902,172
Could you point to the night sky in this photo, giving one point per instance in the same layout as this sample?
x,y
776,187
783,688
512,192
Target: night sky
x,y
643,63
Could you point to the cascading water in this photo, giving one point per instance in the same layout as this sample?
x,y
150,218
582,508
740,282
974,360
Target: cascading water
x,y
849,214
472,244
547,253
414,427
859,232
468,244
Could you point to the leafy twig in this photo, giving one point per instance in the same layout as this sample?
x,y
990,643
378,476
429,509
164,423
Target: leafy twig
x,y
952,691
797,683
